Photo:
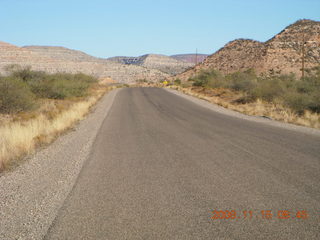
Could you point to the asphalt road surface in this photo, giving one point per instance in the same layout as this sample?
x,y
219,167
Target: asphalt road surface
x,y
161,166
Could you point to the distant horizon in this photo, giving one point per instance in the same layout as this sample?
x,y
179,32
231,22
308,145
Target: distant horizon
x,y
124,28
105,57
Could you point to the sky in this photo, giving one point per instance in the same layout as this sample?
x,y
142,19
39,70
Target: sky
x,y
106,28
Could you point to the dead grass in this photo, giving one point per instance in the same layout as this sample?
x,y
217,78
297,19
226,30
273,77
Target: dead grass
x,y
229,99
22,133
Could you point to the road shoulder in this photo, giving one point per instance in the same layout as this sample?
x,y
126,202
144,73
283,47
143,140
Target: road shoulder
x,y
232,113
32,194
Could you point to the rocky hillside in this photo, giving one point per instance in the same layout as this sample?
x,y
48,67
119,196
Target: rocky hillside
x,y
63,53
190,58
58,59
162,63
280,54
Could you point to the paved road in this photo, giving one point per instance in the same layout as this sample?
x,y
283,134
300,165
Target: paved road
x,y
161,164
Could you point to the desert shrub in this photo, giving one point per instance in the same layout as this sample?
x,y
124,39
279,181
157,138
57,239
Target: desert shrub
x,y
298,102
315,102
85,78
186,84
61,85
15,95
61,89
287,81
310,83
24,73
306,94
211,78
177,82
242,81
297,94
54,86
267,89
142,80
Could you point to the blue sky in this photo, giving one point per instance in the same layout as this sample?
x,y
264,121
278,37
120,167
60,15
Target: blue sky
x,y
121,27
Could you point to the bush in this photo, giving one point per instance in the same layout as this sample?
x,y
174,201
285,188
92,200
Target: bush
x,y
307,92
59,85
211,79
297,101
267,89
315,102
242,81
56,86
142,80
177,82
19,90
15,95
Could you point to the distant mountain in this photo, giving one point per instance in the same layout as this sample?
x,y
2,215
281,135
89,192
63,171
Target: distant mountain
x,y
190,58
162,63
59,59
62,53
281,54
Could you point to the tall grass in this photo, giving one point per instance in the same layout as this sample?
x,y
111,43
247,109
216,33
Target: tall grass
x,y
20,138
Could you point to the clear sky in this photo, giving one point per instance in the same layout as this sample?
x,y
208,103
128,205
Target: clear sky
x,y
106,28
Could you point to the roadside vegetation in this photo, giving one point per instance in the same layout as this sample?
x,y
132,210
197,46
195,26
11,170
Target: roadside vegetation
x,y
35,107
281,97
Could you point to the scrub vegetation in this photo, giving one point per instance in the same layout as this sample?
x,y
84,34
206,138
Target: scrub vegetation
x,y
35,107
281,97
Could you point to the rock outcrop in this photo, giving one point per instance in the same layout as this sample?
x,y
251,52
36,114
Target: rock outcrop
x,y
282,54
162,63
190,58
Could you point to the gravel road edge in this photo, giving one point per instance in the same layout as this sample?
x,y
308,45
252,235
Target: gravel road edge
x,y
232,113
32,194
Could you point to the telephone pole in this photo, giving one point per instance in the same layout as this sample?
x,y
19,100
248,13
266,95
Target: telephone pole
x,y
196,56
303,56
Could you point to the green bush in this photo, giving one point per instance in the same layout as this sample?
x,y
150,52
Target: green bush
x,y
267,89
177,82
298,102
15,95
55,86
307,91
142,80
242,81
315,102
19,90
211,79
61,85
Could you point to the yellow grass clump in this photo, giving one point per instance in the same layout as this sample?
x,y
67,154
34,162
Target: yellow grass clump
x,y
19,138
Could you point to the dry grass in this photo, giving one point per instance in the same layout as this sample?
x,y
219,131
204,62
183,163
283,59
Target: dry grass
x,y
228,99
22,133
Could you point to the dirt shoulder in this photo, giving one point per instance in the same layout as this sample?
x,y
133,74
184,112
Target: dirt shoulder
x,y
201,100
32,194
